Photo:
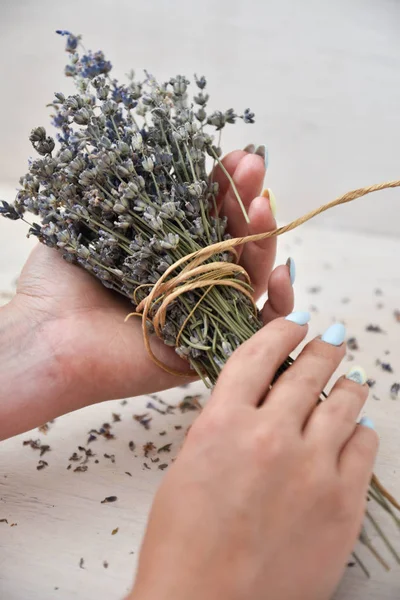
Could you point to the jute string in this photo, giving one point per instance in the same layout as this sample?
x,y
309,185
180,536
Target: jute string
x,y
196,275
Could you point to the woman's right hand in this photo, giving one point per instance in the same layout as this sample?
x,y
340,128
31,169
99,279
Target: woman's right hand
x,y
268,494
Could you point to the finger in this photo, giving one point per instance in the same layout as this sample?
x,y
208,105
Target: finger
x,y
357,458
258,257
248,179
333,422
280,295
230,162
300,386
247,375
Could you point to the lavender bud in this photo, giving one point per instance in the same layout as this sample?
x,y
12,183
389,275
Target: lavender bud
x,y
9,211
201,99
196,155
177,135
148,164
83,252
140,206
227,349
150,211
122,171
119,208
72,102
168,210
65,156
214,188
123,148
136,90
248,116
190,128
156,223
109,107
70,71
170,242
81,211
38,135
44,147
200,82
230,116
103,92
141,109
60,97
77,165
87,177
201,115
63,237
137,141
124,222
217,119
195,189
198,141
133,188
141,182
214,150
117,272
82,116
182,351
105,142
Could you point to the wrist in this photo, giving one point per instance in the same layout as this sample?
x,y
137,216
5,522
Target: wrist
x,y
30,382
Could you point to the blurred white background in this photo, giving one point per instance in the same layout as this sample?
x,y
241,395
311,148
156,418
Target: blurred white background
x,y
322,76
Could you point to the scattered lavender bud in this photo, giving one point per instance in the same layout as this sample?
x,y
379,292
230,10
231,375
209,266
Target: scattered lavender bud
x,y
394,391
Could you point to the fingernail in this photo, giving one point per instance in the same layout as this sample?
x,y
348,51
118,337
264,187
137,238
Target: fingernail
x,y
260,150
292,269
357,374
367,422
250,148
334,335
268,193
263,152
301,317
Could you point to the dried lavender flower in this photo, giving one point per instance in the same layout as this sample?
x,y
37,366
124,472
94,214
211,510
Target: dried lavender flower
x,y
126,194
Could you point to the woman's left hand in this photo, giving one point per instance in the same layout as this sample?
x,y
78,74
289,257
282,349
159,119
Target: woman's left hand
x,y
63,340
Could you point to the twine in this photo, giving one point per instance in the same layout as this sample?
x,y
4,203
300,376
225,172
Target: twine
x,y
197,275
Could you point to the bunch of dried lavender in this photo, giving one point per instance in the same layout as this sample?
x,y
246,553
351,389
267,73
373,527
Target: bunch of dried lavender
x,y
127,194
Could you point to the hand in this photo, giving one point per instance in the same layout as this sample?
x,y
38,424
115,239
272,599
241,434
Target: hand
x,y
267,496
74,346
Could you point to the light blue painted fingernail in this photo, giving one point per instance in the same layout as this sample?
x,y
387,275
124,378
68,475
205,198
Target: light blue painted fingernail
x,y
334,335
357,374
292,269
367,422
301,317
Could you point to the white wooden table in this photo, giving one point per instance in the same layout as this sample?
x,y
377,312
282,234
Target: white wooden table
x,y
55,515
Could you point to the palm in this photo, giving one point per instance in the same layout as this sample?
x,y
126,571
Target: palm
x,y
82,324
